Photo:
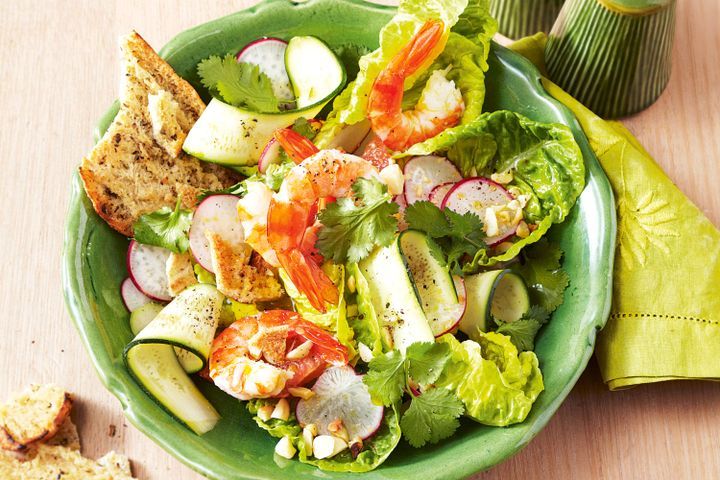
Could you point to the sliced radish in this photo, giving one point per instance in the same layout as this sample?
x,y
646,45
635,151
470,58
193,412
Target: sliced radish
x,y
350,137
218,214
437,195
132,297
146,266
360,150
269,155
476,195
422,174
400,200
457,311
269,54
341,394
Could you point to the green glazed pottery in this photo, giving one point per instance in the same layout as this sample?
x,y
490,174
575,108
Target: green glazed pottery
x,y
520,18
614,56
94,266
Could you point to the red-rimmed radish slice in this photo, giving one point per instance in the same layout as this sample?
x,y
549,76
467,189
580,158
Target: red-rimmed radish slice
x,y
476,195
350,137
269,55
132,297
146,265
341,394
269,155
456,311
218,214
422,174
360,150
438,194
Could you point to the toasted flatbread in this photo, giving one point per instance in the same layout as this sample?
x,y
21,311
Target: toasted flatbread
x,y
32,416
235,278
180,273
58,462
138,166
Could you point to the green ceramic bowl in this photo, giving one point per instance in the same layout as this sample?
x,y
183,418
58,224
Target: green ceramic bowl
x,y
94,266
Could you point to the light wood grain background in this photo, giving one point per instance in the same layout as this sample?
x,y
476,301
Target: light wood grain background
x,y
59,72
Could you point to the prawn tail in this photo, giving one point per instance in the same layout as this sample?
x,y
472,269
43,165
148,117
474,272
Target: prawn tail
x,y
422,49
329,348
295,145
309,279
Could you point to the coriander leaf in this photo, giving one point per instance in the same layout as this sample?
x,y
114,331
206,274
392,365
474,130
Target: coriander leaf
x,y
386,378
273,178
352,228
238,83
428,218
165,228
545,278
426,361
432,416
522,332
458,235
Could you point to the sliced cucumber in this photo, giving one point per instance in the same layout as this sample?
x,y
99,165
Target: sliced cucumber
x,y
433,281
315,72
158,371
498,293
141,317
394,297
188,323
235,136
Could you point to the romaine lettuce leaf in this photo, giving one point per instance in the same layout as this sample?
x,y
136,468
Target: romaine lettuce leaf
x,y
465,52
497,385
335,319
546,163
375,450
366,325
399,30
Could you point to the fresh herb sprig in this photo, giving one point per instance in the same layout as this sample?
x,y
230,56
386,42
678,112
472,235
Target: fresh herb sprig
x,y
353,227
458,235
433,413
238,83
166,228
522,331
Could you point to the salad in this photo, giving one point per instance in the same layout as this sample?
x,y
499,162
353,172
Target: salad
x,y
382,271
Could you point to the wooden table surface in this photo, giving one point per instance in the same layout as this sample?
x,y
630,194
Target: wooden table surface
x,y
59,72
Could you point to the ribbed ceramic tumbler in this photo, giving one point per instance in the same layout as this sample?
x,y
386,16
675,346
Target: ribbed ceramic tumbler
x,y
612,55
519,18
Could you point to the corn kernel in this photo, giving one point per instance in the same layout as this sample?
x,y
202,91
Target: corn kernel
x,y
285,448
301,392
282,410
301,351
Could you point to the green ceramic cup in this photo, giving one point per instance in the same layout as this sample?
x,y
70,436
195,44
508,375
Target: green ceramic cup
x,y
612,55
519,18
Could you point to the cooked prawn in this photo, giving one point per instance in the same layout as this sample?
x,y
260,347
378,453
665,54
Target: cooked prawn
x,y
249,359
291,217
440,106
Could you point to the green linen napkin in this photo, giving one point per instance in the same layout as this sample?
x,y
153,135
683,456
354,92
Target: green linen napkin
x,y
665,319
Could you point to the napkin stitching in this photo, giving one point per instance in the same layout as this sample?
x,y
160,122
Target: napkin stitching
x,y
657,315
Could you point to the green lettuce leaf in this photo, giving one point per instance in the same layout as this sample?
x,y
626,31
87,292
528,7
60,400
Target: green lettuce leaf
x,y
376,449
275,427
399,30
335,318
366,325
543,274
466,53
546,163
497,385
